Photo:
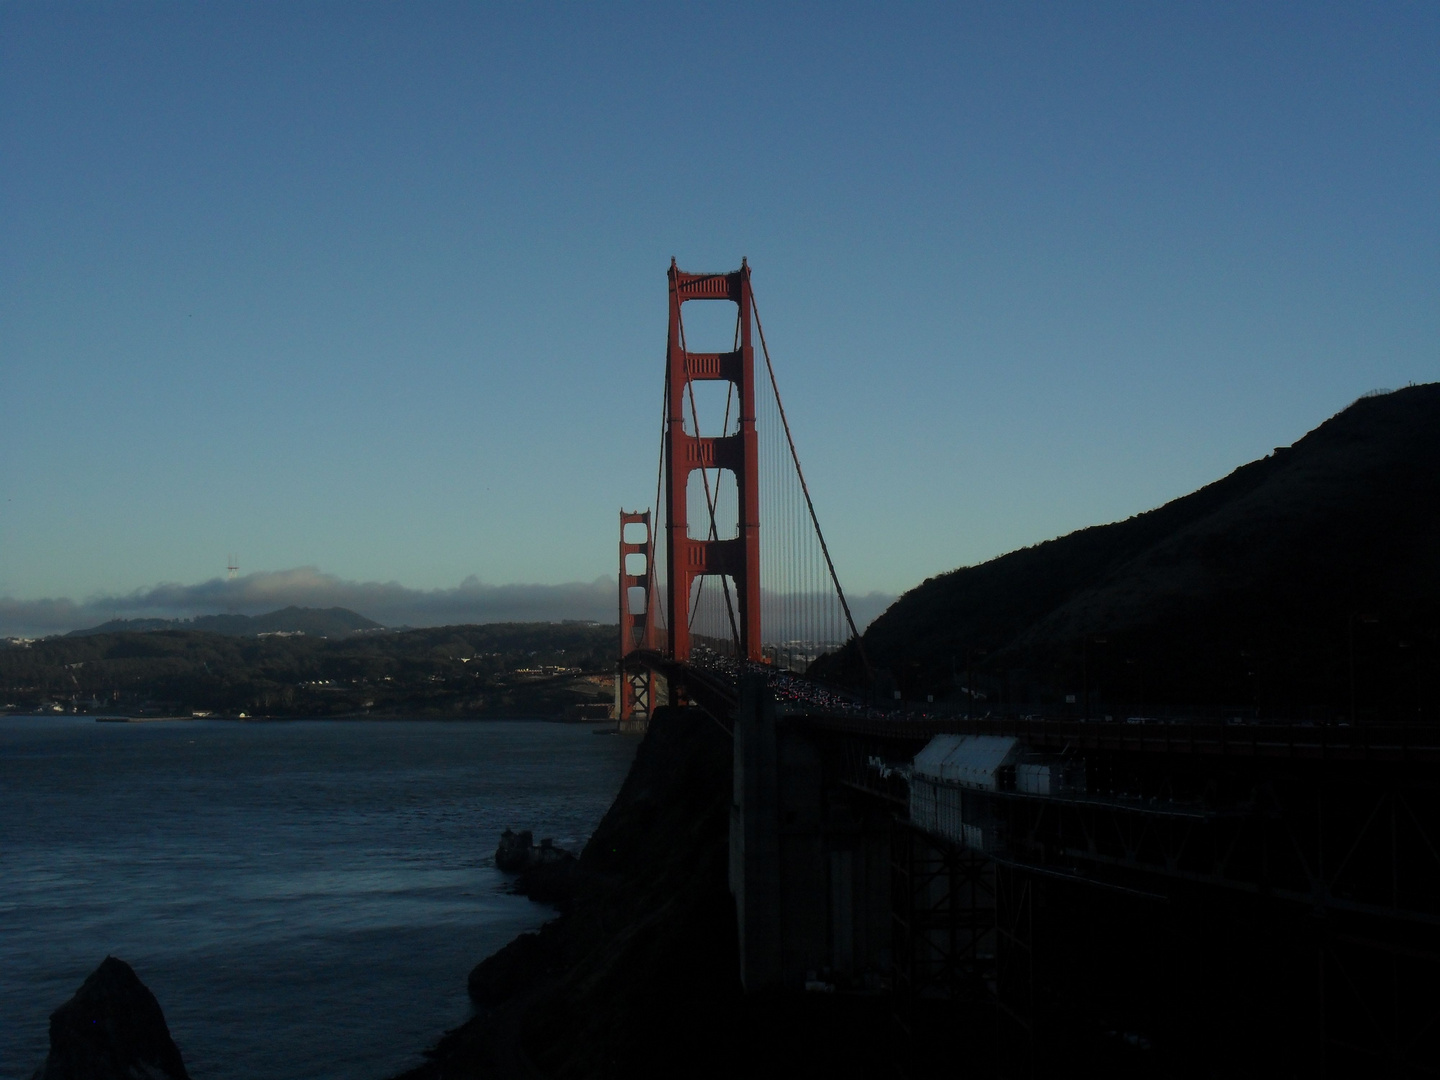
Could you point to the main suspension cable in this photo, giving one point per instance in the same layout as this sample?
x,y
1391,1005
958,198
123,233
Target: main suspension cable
x,y
651,608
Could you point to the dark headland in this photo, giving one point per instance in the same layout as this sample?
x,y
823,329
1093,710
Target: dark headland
x,y
1304,586
1259,593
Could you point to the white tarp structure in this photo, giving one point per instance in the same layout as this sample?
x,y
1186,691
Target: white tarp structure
x,y
972,761
948,764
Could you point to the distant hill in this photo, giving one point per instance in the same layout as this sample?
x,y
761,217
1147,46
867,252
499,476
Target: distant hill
x,y
318,622
1306,583
497,669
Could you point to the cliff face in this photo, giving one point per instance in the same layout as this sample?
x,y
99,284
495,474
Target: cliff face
x,y
650,939
641,970
1263,589
640,976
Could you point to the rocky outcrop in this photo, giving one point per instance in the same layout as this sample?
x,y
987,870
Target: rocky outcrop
x,y
112,1029
513,854
546,874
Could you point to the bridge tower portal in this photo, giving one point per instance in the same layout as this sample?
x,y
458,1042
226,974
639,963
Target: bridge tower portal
x,y
687,557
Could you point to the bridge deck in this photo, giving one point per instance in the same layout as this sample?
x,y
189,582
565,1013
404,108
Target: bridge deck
x,y
715,688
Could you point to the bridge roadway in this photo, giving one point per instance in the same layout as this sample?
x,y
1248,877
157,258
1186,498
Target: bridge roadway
x,y
715,688
1277,884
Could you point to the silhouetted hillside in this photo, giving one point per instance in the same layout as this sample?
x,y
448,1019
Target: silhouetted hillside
x,y
321,622
1275,590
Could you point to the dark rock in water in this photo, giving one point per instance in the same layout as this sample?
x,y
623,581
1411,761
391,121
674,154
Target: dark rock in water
x,y
548,853
112,1029
546,874
513,854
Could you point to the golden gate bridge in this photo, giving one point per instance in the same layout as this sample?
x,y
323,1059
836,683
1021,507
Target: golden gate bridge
x,y
1270,891
700,596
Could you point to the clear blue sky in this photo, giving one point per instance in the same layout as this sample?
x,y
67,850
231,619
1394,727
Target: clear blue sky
x,y
379,288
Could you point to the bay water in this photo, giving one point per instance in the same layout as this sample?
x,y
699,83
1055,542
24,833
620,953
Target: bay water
x,y
304,898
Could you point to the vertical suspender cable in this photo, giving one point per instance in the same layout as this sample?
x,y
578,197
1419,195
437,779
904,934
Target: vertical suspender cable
x,y
859,645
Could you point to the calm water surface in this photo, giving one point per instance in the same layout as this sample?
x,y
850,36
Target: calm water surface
x,y
305,899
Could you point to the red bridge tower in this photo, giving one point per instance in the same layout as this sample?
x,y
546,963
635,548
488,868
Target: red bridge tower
x,y
688,557
635,688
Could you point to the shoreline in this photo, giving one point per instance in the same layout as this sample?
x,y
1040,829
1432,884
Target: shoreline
x,y
468,718
137,719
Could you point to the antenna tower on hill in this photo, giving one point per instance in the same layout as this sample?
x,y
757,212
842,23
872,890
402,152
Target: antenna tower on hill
x,y
232,568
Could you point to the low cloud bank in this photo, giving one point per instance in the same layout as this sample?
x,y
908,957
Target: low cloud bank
x,y
389,603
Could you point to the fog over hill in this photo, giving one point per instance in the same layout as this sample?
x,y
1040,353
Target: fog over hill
x,y
388,603
1305,583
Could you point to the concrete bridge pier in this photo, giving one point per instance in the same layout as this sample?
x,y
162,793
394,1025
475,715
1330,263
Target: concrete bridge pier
x,y
810,863
755,837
